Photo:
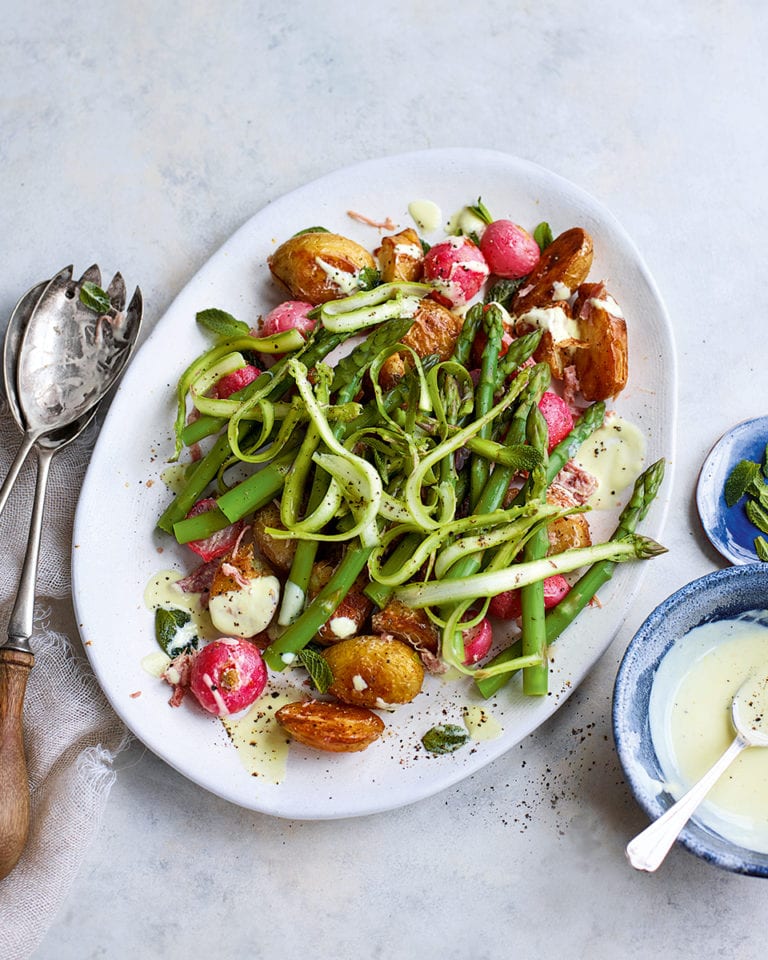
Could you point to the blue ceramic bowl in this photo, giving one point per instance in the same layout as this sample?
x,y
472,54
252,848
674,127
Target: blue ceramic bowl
x,y
716,596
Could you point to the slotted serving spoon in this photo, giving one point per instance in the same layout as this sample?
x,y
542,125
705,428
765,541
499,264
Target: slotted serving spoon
x,y
60,359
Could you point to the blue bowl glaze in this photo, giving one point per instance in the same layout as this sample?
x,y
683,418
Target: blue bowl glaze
x,y
716,596
728,529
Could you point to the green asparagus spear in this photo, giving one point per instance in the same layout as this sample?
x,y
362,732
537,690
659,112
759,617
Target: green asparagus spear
x,y
467,334
354,364
494,331
645,490
281,652
536,678
519,351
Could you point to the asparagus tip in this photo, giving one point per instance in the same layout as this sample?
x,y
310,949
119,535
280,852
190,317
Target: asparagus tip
x,y
647,548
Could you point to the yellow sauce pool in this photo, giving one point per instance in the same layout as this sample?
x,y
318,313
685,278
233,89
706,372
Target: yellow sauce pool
x,y
614,455
690,718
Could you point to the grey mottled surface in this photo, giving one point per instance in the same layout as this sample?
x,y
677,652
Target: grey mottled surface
x,y
142,134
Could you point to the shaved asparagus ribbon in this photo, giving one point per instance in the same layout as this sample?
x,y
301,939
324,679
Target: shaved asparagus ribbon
x,y
386,478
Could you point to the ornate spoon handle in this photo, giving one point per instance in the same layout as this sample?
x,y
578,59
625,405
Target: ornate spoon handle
x,y
16,660
649,848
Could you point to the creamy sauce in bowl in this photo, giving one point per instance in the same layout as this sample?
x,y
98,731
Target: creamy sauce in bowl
x,y
690,723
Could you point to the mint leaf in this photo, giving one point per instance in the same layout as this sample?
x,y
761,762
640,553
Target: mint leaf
x,y
739,480
171,633
757,515
543,235
221,323
311,230
761,549
368,278
765,462
759,491
317,667
95,298
445,738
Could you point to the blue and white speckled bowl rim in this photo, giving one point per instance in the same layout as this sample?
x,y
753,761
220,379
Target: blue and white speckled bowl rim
x,y
715,596
728,528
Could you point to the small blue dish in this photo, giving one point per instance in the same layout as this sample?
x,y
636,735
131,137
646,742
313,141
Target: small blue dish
x,y
717,596
728,529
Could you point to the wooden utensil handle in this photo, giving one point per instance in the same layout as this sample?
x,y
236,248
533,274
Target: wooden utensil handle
x,y
14,783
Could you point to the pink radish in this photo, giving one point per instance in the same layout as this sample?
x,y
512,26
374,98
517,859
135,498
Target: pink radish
x,y
510,251
227,675
457,269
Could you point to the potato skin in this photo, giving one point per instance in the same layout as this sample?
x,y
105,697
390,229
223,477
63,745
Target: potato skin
x,y
435,330
567,260
411,626
557,354
277,552
294,264
336,727
397,263
602,363
355,606
373,671
568,532
249,566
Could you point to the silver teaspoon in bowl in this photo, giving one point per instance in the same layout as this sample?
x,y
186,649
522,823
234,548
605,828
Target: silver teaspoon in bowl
x,y
61,359
749,715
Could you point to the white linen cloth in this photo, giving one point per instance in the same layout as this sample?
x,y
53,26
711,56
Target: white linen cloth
x,y
71,734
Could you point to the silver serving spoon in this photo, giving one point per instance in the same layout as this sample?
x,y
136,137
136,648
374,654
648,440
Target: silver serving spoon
x,y
749,714
60,360
17,325
59,367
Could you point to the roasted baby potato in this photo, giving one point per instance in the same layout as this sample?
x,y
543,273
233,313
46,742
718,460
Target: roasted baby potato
x,y
350,616
337,727
372,671
244,594
435,330
558,342
564,265
411,626
602,365
566,532
317,267
401,257
279,553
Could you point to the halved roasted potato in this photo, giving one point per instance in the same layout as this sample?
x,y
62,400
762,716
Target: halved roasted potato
x,y
350,616
564,265
279,553
435,330
317,267
244,594
568,532
412,626
401,256
602,364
